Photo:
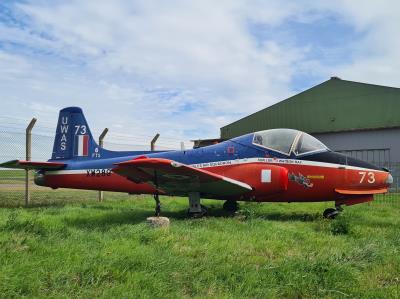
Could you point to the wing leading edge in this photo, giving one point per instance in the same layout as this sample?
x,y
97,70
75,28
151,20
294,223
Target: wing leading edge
x,y
179,179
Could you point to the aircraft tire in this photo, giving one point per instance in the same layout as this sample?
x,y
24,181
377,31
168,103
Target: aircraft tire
x,y
230,206
330,213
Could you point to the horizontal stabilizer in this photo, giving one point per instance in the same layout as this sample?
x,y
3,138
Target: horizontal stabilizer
x,y
21,164
176,178
361,192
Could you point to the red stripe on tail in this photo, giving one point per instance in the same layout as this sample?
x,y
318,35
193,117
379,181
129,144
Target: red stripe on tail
x,y
85,151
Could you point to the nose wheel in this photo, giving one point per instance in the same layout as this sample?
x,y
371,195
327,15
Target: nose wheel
x,y
332,213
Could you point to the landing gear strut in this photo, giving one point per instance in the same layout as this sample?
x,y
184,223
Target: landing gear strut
x,y
196,210
156,196
230,206
332,213
158,205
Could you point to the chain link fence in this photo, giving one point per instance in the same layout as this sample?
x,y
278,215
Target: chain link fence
x,y
12,182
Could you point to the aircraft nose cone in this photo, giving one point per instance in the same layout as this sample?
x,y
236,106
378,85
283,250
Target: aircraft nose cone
x,y
389,179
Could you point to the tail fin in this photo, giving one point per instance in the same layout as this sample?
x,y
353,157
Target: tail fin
x,y
75,141
73,137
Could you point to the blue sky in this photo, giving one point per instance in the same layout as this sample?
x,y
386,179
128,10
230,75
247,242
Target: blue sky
x,y
185,68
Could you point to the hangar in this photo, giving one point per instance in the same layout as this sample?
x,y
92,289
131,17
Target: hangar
x,y
358,119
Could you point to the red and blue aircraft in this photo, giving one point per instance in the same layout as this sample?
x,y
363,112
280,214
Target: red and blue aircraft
x,y
278,165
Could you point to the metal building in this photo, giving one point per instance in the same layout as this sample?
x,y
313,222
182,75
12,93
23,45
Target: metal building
x,y
361,120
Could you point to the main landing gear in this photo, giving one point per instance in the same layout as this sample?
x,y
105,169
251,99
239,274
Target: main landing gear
x,y
196,210
158,205
332,213
231,206
156,196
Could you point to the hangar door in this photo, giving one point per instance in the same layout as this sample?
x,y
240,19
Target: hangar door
x,y
380,157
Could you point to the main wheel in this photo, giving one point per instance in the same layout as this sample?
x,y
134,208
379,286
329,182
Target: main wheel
x,y
231,206
330,213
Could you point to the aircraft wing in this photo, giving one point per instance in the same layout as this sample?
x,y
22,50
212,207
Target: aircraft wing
x,y
21,164
176,178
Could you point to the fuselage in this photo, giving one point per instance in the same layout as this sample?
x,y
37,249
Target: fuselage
x,y
316,175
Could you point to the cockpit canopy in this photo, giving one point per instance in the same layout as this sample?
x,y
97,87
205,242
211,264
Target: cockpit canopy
x,y
287,141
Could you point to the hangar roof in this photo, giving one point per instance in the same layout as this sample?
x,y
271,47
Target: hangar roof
x,y
333,106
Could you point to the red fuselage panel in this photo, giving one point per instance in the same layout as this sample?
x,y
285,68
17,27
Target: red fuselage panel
x,y
270,182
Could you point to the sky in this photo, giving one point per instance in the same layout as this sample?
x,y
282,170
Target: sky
x,y
184,68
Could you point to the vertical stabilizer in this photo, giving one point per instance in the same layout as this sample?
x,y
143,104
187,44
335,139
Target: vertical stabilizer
x,y
73,137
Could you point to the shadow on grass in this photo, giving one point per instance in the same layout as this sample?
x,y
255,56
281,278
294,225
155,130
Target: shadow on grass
x,y
114,218
290,216
107,220
111,219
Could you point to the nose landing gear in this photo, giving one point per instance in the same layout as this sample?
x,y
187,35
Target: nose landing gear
x,y
332,213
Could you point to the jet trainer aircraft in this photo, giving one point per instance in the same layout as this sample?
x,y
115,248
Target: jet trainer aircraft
x,y
278,165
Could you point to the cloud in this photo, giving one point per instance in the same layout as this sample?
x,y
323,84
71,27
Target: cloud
x,y
198,45
182,68
375,55
13,66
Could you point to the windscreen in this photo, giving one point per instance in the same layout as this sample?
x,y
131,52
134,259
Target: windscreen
x,y
280,140
307,144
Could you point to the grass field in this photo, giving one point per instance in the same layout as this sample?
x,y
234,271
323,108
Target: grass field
x,y
69,245
12,173
12,176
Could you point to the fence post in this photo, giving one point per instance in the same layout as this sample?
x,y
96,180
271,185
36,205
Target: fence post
x,y
101,138
28,152
153,142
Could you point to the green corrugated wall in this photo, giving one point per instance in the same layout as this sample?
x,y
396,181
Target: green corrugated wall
x,y
335,105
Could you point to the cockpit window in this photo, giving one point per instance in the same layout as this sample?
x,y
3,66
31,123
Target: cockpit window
x,y
280,140
307,144
285,140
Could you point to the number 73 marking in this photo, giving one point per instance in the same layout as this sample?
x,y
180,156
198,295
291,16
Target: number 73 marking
x,y
370,175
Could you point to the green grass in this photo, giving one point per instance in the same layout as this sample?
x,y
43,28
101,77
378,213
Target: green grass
x,y
12,176
69,245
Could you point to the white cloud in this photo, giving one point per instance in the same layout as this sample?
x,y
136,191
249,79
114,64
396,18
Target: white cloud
x,y
13,66
376,52
180,68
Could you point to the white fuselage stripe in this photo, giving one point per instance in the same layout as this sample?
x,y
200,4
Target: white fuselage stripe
x,y
277,161
282,162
